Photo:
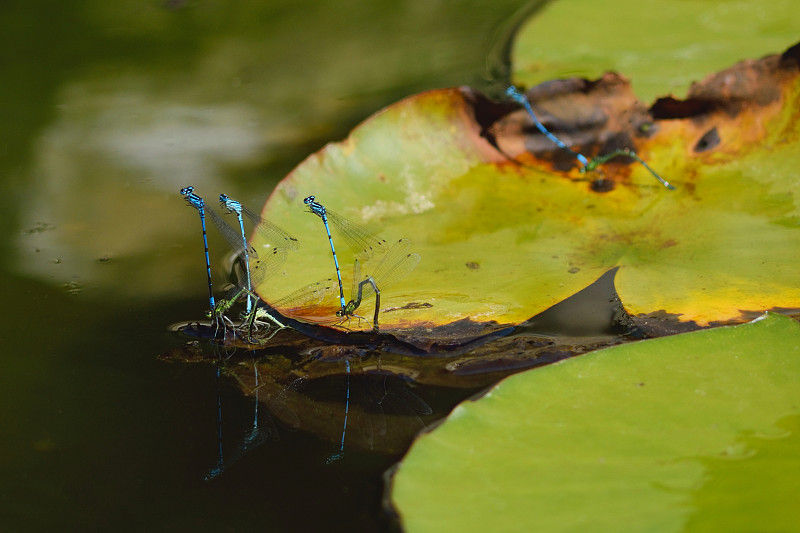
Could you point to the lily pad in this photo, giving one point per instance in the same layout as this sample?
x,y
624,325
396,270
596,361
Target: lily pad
x,y
505,231
698,431
662,45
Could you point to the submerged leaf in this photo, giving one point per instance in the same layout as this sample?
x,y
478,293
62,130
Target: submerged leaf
x,y
695,430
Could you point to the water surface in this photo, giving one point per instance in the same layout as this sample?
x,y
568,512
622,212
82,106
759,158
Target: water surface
x,y
109,109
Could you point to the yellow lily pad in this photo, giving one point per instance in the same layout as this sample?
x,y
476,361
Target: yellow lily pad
x,y
506,231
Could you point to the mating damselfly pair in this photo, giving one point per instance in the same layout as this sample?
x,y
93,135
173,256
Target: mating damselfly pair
x,y
391,264
377,265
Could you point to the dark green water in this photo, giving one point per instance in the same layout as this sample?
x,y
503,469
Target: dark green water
x,y
108,109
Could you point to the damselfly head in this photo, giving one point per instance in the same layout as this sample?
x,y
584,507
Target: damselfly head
x,y
191,198
515,95
314,207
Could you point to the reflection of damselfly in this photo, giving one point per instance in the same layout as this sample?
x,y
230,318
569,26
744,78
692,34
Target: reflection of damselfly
x,y
258,433
363,242
378,400
340,452
251,440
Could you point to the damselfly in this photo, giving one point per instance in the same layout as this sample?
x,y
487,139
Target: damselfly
x,y
258,267
586,164
197,202
363,242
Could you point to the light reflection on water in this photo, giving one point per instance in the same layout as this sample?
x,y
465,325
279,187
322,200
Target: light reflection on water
x,y
111,108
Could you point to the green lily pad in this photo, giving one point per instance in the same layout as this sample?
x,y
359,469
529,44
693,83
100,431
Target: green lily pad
x,y
662,45
699,431
506,231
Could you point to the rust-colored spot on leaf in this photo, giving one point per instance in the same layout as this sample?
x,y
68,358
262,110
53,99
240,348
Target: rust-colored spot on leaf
x,y
725,113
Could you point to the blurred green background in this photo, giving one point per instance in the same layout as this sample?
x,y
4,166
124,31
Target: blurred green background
x,y
108,109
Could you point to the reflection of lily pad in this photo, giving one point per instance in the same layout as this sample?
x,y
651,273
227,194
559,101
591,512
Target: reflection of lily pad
x,y
389,393
695,430
503,239
390,385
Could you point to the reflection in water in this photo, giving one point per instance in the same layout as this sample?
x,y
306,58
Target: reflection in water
x,y
755,463
393,396
497,73
253,438
340,452
359,399
351,408
356,405
377,398
105,199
